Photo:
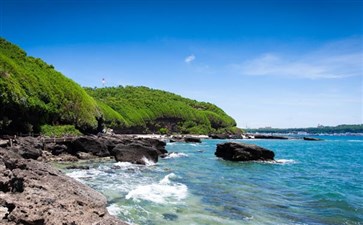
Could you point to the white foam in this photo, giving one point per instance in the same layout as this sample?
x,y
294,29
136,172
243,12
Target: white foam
x,y
84,174
148,162
163,192
175,155
113,209
285,161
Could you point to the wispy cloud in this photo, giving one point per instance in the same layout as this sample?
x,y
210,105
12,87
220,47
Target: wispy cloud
x,y
331,61
189,59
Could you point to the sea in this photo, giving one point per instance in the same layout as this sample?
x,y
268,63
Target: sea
x,y
311,182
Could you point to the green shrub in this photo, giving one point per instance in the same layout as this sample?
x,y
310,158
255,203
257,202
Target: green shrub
x,y
59,130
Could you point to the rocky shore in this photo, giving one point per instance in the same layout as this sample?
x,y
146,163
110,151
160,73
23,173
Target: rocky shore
x,y
33,192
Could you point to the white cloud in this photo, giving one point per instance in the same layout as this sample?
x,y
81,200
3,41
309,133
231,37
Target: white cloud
x,y
328,62
189,59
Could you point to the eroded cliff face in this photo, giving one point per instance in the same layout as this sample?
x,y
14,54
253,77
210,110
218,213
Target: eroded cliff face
x,y
33,192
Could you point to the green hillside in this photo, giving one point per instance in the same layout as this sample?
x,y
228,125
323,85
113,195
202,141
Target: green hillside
x,y
33,94
140,108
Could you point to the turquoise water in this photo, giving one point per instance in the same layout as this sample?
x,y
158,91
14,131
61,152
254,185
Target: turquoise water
x,y
311,183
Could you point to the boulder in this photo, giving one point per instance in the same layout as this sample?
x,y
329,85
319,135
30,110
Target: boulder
x,y
243,152
192,140
32,192
312,139
28,152
265,136
135,153
219,136
154,143
89,144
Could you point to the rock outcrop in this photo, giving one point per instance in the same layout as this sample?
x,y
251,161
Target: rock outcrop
x,y
312,139
90,144
243,152
33,192
192,140
89,147
135,153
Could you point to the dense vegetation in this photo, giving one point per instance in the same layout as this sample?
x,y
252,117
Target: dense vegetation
x,y
357,128
144,109
34,94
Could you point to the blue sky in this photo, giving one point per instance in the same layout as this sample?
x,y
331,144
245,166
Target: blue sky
x,y
266,63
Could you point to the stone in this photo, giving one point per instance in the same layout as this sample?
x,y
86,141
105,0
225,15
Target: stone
x,y
192,140
312,139
135,153
34,192
91,145
243,152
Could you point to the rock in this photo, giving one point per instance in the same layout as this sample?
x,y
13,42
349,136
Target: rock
x,y
4,143
135,153
33,192
170,216
56,149
28,152
225,136
264,136
79,167
192,140
218,136
312,139
153,143
243,152
89,144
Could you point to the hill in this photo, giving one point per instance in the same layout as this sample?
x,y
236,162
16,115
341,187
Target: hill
x,y
139,109
34,94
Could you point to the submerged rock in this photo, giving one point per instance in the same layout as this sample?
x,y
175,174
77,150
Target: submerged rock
x,y
33,192
312,139
243,152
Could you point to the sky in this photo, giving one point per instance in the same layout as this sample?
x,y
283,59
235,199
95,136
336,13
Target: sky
x,y
267,63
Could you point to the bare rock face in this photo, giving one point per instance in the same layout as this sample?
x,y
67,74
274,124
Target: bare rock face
x,y
90,144
33,192
243,152
135,153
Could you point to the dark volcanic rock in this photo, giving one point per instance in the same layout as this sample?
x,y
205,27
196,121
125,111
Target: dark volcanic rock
x,y
33,192
192,140
135,153
28,152
243,152
219,136
312,139
154,143
264,136
90,144
225,136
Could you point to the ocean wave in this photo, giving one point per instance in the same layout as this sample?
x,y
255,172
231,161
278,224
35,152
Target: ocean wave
x,y
163,192
81,175
355,140
175,155
148,162
114,209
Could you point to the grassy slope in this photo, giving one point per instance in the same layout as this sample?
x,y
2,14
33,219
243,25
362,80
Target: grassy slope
x,y
153,109
33,93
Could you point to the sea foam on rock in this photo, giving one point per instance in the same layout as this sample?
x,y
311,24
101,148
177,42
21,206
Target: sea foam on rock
x,y
243,152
